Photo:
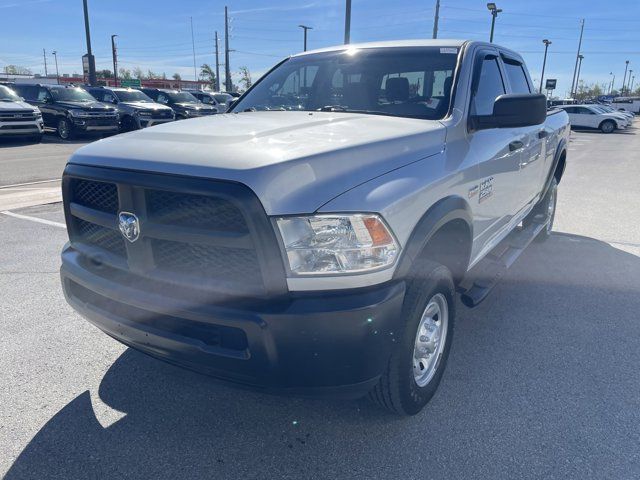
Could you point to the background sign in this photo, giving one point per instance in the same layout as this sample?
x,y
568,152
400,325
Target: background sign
x,y
551,84
130,82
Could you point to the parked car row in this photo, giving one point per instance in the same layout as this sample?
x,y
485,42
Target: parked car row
x,y
30,110
598,116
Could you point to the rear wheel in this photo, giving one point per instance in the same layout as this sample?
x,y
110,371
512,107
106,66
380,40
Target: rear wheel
x,y
418,362
607,126
545,210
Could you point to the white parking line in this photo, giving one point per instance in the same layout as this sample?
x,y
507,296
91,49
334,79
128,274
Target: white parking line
x,y
34,219
29,183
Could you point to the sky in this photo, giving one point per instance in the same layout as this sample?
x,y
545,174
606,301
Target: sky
x,y
156,34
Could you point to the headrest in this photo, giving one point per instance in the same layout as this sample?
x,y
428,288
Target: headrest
x,y
397,89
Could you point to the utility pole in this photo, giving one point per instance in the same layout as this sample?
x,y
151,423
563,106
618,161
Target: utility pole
x,y
217,82
193,46
305,28
624,80
436,17
494,14
228,84
544,62
114,55
347,23
574,85
90,57
44,55
55,56
580,57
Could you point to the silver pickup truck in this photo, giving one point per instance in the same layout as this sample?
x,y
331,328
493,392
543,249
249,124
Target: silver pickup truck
x,y
315,239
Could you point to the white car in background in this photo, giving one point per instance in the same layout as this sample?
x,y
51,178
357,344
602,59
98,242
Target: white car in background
x,y
590,116
609,109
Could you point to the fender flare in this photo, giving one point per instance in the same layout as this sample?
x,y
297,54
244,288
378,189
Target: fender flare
x,y
442,212
562,146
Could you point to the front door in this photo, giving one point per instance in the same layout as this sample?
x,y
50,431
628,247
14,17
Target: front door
x,y
497,195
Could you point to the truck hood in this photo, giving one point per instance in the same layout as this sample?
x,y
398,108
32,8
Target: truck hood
x,y
294,161
20,105
87,106
145,105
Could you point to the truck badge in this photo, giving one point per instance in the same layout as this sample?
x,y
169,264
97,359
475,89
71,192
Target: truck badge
x,y
129,226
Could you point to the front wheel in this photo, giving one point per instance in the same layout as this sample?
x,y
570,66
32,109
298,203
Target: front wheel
x,y
418,362
607,126
64,129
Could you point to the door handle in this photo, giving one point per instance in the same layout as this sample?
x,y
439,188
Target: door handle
x,y
543,134
515,145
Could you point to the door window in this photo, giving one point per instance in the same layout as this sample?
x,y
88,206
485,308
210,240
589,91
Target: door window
x,y
43,95
489,87
108,97
585,111
162,98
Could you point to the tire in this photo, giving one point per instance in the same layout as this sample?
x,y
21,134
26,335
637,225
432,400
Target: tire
x,y
607,126
129,124
546,207
401,388
64,129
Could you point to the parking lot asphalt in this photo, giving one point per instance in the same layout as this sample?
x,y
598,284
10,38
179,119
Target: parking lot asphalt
x,y
542,381
23,162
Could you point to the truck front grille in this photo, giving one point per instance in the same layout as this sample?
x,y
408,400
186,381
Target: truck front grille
x,y
211,234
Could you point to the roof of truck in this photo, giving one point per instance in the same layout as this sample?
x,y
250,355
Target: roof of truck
x,y
446,42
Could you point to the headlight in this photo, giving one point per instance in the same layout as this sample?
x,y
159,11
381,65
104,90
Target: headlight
x,y
337,244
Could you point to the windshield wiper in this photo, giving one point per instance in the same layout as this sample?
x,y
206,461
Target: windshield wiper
x,y
342,108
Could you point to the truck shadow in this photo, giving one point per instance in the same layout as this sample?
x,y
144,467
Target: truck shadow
x,y
520,365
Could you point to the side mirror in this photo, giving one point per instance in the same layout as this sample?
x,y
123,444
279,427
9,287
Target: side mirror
x,y
512,111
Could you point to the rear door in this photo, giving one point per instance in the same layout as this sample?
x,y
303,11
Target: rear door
x,y
497,195
532,150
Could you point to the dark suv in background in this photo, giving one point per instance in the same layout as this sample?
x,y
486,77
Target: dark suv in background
x,y
220,101
135,109
183,103
69,111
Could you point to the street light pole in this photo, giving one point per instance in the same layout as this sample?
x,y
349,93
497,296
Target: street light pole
x,y
633,80
624,80
612,82
44,55
114,56
217,85
544,62
347,23
55,56
494,13
305,28
436,18
90,58
629,81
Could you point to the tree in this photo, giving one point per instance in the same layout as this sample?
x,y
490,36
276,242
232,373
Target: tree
x,y
209,75
106,73
16,70
586,92
176,76
124,73
245,77
138,73
151,75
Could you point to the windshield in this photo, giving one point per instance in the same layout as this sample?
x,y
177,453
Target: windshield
x,y
71,95
222,98
132,96
8,95
406,82
182,97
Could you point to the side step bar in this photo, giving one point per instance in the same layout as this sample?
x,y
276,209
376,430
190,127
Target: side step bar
x,y
487,273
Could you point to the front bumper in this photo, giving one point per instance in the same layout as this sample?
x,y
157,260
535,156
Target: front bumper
x,y
10,129
144,122
95,125
317,343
